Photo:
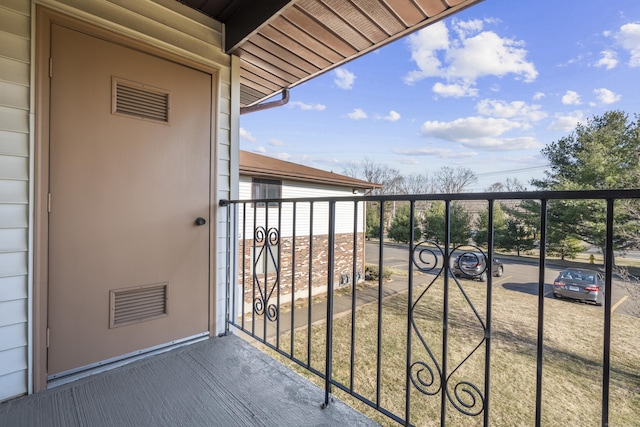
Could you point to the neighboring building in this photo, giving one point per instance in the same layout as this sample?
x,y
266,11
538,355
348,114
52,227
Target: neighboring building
x,y
263,177
119,135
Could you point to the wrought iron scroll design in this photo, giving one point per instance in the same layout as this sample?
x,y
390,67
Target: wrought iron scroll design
x,y
467,397
265,243
427,375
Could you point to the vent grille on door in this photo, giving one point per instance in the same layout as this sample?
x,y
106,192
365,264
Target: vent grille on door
x,y
140,101
133,305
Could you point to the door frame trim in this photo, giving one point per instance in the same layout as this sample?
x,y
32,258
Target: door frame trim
x,y
44,19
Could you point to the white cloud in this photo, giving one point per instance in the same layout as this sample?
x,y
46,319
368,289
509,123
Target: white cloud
x,y
468,128
357,114
566,122
424,46
480,132
538,96
408,161
283,156
393,116
605,96
276,143
260,149
443,153
629,38
518,110
571,98
608,60
344,78
467,28
454,90
577,59
488,54
305,106
473,54
246,135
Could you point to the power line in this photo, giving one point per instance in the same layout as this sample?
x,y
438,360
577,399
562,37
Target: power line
x,y
512,170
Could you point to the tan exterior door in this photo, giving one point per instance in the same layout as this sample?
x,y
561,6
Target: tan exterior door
x,y
128,263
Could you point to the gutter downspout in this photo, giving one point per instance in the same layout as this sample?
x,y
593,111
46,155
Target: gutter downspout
x,y
267,105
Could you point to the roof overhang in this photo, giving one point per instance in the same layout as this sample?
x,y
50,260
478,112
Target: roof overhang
x,y
256,165
282,43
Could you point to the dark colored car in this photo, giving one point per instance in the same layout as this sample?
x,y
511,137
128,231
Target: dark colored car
x,y
581,284
472,265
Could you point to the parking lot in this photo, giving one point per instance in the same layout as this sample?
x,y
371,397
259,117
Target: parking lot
x,y
520,275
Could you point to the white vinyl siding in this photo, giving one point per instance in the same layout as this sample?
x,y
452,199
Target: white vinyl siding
x,y
14,196
290,190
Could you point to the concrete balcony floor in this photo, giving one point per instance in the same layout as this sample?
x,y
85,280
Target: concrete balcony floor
x,y
217,382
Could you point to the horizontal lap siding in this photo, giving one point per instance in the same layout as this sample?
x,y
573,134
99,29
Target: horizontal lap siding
x,y
344,210
14,195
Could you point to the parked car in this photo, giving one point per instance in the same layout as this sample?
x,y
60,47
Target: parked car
x,y
581,284
472,265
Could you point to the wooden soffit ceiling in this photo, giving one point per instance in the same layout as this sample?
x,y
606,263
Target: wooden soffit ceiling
x,y
284,43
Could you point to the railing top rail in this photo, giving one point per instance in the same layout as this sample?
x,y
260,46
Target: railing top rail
x,y
517,195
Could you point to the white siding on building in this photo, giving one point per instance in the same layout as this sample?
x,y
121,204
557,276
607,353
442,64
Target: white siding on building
x,y
15,40
291,190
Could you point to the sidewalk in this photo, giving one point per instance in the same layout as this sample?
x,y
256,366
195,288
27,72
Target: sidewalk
x,y
342,305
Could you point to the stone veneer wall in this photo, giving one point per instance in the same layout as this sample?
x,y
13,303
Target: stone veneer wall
x,y
319,253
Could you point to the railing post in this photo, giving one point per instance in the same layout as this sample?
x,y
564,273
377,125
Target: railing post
x,y
407,381
608,277
487,333
540,342
380,289
310,286
352,356
445,310
330,274
225,203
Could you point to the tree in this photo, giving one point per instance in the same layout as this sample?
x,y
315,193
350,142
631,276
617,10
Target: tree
x,y
602,154
376,173
499,226
373,220
416,184
449,180
401,225
517,236
522,226
511,185
460,224
391,181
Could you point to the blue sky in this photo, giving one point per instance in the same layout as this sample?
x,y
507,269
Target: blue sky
x,y
486,89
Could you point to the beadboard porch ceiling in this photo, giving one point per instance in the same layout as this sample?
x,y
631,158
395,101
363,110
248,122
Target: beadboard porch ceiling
x,y
282,43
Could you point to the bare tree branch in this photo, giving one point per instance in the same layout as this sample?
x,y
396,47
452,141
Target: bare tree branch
x,y
449,180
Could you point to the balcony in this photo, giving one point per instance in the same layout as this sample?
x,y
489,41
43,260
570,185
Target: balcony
x,y
419,347
431,344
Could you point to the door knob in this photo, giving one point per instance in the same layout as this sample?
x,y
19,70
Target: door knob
x,y
200,221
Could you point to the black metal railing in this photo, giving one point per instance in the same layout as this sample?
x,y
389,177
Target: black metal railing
x,y
292,262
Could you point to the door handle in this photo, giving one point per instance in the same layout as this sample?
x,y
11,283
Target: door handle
x,y
200,221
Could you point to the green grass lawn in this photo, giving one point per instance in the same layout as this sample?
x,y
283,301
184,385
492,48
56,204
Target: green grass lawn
x,y
572,362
